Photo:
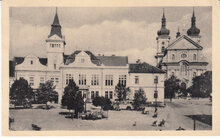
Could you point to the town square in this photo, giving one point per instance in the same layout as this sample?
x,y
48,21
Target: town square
x,y
133,68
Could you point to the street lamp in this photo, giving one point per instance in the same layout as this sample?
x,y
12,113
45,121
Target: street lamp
x,y
156,92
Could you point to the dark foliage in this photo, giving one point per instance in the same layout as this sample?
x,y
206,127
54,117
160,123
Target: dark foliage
x,y
46,93
202,85
171,87
21,92
122,91
105,103
72,99
139,99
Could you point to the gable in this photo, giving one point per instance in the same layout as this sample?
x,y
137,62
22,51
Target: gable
x,y
81,59
184,43
31,62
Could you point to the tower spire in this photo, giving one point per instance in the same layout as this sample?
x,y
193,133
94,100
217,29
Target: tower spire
x,y
193,31
178,33
56,27
163,31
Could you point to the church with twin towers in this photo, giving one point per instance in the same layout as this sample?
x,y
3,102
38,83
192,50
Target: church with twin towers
x,y
97,75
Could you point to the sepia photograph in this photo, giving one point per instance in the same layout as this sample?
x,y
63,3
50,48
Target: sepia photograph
x,y
110,68
103,68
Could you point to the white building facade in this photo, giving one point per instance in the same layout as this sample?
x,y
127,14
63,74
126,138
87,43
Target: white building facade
x,y
95,75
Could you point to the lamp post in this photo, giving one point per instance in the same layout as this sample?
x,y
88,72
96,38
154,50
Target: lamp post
x,y
156,92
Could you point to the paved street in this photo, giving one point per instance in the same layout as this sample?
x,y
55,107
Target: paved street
x,y
174,115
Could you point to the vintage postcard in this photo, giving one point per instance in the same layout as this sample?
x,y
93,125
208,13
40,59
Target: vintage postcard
x,y
127,67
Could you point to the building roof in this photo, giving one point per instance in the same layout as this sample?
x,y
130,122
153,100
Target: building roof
x,y
98,60
113,60
189,63
198,46
144,68
56,27
71,58
43,61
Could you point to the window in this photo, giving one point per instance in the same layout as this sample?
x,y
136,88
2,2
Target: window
x,y
173,57
41,80
32,62
183,56
31,80
92,94
122,79
163,43
82,60
54,66
82,79
172,74
162,49
194,57
57,80
52,80
110,95
95,79
96,93
68,78
84,94
136,79
184,69
106,94
108,80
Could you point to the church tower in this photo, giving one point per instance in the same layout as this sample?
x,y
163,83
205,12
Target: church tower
x,y
163,39
193,31
55,44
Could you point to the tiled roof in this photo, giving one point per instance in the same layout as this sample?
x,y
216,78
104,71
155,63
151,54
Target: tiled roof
x,y
56,27
113,60
43,61
18,60
144,68
71,58
98,60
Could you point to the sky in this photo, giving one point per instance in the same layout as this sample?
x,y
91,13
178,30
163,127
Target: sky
x,y
122,31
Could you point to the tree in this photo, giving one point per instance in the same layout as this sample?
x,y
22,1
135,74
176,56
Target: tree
x,y
202,85
122,91
171,86
20,92
72,98
46,93
139,99
105,103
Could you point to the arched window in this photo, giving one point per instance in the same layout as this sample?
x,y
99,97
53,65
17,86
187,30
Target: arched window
x,y
184,69
194,57
173,57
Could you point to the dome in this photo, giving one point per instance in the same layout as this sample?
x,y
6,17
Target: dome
x,y
163,31
193,31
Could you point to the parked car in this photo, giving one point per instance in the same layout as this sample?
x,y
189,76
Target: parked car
x,y
126,105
